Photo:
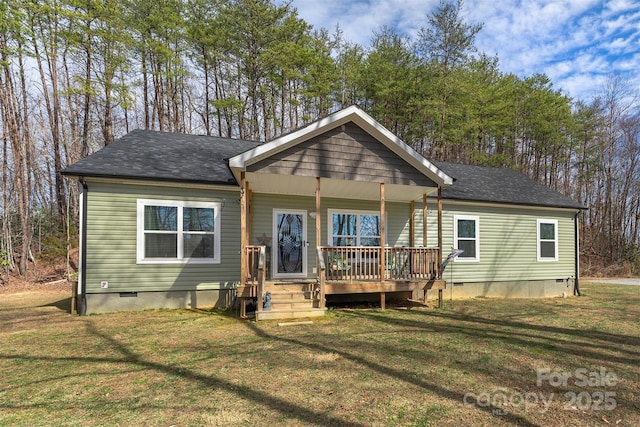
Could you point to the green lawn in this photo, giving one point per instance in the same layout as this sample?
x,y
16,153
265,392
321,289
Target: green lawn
x,y
473,362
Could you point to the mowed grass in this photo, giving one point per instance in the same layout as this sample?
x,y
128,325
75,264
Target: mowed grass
x,y
471,363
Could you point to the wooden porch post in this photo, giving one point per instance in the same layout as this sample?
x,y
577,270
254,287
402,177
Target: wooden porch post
x,y
412,239
440,225
440,241
412,224
318,218
249,213
424,232
319,271
382,232
424,220
243,229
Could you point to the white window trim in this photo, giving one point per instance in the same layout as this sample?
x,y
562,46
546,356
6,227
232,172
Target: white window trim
x,y
476,219
141,203
330,213
555,229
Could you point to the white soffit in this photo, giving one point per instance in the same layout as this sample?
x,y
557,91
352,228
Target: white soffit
x,y
240,162
333,188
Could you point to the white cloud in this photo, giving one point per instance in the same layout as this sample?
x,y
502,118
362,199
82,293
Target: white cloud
x,y
576,42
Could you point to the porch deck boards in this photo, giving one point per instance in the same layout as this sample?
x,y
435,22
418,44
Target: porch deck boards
x,y
335,287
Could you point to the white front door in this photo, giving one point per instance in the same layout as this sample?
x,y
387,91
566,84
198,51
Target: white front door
x,y
290,243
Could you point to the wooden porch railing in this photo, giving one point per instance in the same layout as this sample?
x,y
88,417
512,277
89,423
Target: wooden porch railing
x,y
362,263
322,268
252,285
255,257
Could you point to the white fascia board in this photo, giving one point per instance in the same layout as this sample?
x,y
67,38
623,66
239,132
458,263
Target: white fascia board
x,y
241,161
161,183
395,144
500,205
285,141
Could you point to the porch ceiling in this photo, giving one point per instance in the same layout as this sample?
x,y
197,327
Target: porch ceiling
x,y
341,189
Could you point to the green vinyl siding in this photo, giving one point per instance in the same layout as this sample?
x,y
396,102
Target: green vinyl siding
x,y
397,226
508,242
507,238
111,241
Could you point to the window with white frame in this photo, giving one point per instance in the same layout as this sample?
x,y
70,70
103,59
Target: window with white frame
x,y
354,228
466,236
547,240
178,232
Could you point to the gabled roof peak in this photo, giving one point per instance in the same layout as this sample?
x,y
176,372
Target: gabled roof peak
x,y
350,114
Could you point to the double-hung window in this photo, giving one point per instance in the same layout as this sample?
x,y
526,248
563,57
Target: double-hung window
x,y
466,236
547,240
354,228
178,232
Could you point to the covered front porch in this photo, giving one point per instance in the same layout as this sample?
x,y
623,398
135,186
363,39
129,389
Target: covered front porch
x,y
409,264
335,205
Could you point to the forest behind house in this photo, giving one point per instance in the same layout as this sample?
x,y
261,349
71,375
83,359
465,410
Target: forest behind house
x,y
77,74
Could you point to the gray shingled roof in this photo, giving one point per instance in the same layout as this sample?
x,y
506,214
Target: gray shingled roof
x,y
152,155
484,184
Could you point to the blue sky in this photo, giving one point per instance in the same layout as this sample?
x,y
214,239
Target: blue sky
x,y
577,43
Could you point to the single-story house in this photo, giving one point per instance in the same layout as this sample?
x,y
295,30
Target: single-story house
x,y
339,207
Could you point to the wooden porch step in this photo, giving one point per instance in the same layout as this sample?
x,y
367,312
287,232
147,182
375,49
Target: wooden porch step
x,y
291,301
293,305
289,296
289,289
275,314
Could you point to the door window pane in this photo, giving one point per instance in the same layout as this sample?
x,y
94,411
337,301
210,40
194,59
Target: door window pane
x,y
290,241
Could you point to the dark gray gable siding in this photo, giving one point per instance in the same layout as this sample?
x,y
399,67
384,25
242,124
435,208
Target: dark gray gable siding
x,y
484,184
346,152
164,156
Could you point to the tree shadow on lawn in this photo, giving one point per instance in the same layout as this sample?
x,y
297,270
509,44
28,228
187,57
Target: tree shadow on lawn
x,y
284,407
123,354
394,374
590,334
522,335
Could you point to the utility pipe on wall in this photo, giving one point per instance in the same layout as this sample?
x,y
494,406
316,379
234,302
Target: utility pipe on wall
x,y
576,233
82,278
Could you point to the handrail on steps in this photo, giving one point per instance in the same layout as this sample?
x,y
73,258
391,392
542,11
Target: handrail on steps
x,y
262,276
253,282
321,276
